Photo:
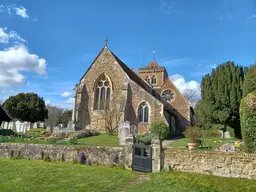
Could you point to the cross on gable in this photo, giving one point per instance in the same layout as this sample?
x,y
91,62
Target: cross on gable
x,y
106,42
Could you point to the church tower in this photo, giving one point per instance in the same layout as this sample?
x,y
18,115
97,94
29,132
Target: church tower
x,y
154,74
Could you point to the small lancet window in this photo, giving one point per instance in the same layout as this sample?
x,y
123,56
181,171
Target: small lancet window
x,y
153,80
102,93
147,79
143,112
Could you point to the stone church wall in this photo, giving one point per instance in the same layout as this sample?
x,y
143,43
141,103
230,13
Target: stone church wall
x,y
137,95
107,64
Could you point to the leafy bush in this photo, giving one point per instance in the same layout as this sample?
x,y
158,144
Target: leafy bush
x,y
146,139
248,122
7,132
160,129
212,132
83,134
194,134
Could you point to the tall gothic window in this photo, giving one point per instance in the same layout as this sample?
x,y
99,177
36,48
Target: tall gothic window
x,y
153,80
102,93
147,79
143,112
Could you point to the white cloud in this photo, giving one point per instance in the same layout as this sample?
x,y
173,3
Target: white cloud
x,y
12,35
47,102
15,60
66,94
181,84
1,8
21,11
70,100
4,37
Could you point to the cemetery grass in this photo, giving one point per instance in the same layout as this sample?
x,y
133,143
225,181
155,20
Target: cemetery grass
x,y
210,143
35,175
191,182
100,140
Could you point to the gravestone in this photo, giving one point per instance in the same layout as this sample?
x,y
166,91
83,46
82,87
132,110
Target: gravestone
x,y
71,125
49,129
6,125
123,131
133,130
226,134
42,125
221,133
12,126
28,126
35,125
148,129
2,125
18,125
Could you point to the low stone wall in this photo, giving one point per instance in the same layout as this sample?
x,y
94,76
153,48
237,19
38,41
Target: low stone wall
x,y
95,155
237,165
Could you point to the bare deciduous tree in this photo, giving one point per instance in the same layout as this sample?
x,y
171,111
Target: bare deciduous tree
x,y
189,94
113,115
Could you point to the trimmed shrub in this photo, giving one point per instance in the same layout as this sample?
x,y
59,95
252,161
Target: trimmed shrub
x,y
248,122
160,129
7,132
83,134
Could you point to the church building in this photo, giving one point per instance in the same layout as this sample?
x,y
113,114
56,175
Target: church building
x,y
148,94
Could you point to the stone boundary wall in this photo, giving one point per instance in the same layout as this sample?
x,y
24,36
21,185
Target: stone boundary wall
x,y
109,156
237,165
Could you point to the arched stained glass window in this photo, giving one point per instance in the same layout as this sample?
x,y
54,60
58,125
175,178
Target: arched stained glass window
x,y
143,112
102,93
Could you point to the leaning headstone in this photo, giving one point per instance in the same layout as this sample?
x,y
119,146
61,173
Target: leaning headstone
x,y
226,134
49,129
221,133
35,125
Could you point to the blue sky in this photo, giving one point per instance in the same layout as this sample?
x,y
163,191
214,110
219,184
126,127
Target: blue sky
x,y
46,46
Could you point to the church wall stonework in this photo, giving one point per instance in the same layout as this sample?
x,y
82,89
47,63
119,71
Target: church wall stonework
x,y
105,63
179,103
155,107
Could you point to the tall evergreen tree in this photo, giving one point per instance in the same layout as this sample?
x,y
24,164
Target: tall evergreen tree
x,y
250,81
221,94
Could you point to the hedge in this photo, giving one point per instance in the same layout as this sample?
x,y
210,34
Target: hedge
x,y
248,122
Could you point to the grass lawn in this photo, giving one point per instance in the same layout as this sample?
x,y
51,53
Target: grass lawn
x,y
212,142
31,175
101,140
190,182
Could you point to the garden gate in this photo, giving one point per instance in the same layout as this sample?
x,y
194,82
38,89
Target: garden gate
x,y
142,157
